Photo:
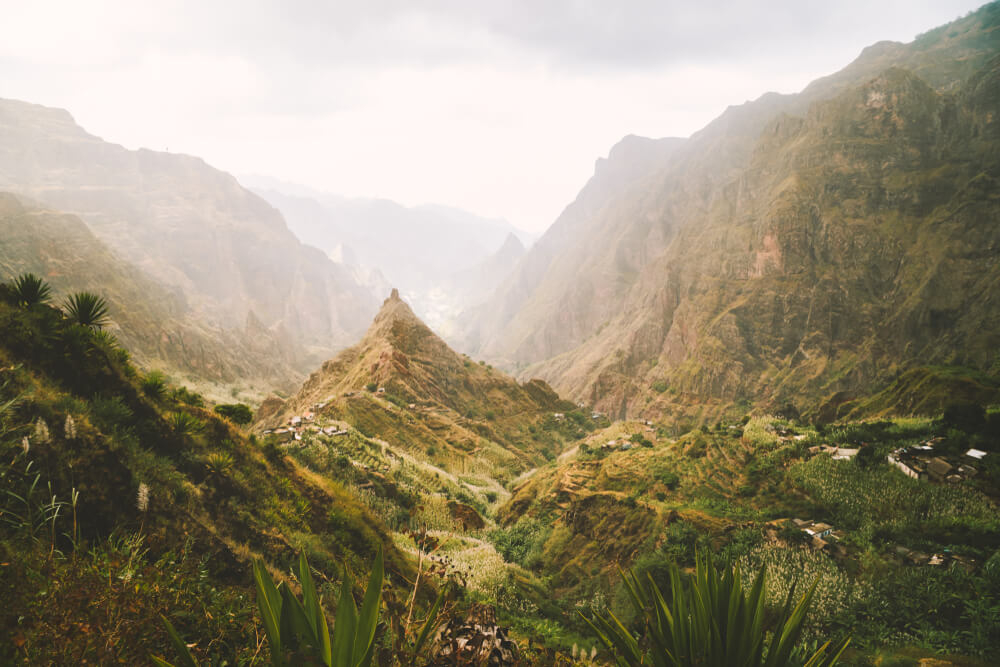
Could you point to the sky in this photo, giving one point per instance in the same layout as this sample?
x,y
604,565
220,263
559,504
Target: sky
x,y
500,108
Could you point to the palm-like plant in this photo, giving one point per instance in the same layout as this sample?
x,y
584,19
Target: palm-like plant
x,y
88,309
297,630
710,621
184,424
31,290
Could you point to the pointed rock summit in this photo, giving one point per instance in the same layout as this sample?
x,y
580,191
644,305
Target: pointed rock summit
x,y
402,358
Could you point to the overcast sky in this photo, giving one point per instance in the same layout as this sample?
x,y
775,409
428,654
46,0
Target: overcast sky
x,y
497,107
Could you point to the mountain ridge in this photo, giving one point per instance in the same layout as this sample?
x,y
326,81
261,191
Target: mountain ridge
x,y
629,319
186,224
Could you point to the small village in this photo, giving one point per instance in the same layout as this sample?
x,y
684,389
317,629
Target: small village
x,y
297,425
924,463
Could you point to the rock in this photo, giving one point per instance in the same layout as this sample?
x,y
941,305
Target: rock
x,y
465,515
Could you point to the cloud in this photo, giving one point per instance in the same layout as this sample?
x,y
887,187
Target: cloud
x,y
497,107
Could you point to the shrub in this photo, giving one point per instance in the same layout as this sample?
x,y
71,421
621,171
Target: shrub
x,y
640,439
965,416
710,618
154,385
87,309
184,424
297,630
30,290
238,413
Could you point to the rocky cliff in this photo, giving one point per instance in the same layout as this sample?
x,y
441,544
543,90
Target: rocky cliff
x,y
809,248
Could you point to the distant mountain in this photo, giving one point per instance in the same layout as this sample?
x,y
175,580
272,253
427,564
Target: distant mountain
x,y
189,226
418,249
154,323
833,249
471,287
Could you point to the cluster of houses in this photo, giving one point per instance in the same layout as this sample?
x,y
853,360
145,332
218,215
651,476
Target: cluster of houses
x,y
914,557
623,445
298,424
822,536
922,462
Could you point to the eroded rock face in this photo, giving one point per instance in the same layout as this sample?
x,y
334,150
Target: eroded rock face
x,y
798,247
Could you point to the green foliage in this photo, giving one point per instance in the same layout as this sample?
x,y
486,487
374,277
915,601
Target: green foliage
x,y
640,439
238,413
297,630
371,386
184,424
669,479
188,397
709,620
110,413
87,309
522,542
154,385
965,416
30,290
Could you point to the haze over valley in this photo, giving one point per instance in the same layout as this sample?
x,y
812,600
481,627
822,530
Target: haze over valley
x,y
460,334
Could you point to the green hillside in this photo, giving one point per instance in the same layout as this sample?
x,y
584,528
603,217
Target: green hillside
x,y
95,559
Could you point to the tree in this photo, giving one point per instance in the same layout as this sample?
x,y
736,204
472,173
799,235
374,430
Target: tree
x,y
238,413
30,290
87,309
710,619
965,416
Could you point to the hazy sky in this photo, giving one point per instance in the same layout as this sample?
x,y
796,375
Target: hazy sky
x,y
497,107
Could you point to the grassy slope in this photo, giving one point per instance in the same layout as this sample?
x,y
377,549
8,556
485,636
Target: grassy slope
x,y
216,499
724,489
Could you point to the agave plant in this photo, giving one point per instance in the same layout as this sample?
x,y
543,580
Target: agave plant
x,y
30,289
88,309
154,385
710,621
184,424
297,630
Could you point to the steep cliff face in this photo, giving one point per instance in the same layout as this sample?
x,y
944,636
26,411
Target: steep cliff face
x,y
189,226
802,248
569,282
154,323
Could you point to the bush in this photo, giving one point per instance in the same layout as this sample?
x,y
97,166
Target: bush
x,y
154,385
522,542
184,395
669,479
965,416
640,439
238,413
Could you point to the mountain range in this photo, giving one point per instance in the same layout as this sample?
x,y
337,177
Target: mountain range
x,y
189,227
812,249
444,260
